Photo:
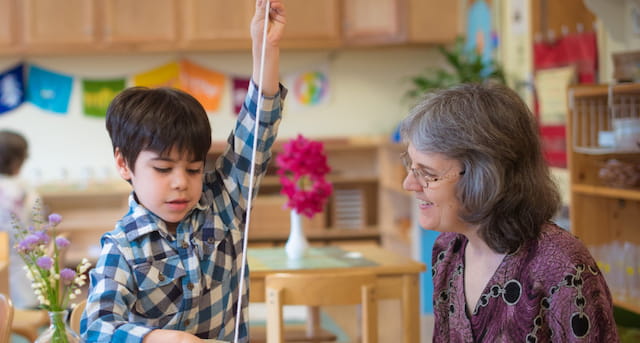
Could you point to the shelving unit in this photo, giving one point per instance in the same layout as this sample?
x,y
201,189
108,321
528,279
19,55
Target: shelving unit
x,y
395,204
602,214
355,176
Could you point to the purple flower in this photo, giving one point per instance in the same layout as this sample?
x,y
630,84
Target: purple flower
x,y
62,242
54,219
45,262
67,275
43,238
28,243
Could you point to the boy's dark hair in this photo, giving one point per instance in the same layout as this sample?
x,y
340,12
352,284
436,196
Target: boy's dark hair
x,y
159,120
13,151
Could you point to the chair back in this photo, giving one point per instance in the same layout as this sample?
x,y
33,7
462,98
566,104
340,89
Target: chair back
x,y
76,315
321,289
6,318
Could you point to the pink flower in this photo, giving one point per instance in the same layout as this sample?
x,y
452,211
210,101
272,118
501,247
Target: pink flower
x,y
302,169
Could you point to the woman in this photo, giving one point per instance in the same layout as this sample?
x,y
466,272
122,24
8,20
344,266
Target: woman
x,y
502,271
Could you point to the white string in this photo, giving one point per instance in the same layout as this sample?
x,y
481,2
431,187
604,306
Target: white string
x,y
251,175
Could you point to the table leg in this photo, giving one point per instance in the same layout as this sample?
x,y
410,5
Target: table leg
x,y
313,321
410,308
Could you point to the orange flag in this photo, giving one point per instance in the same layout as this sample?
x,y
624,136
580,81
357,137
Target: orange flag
x,y
204,84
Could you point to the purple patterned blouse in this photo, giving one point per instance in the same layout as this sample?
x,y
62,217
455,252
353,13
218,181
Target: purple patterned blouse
x,y
550,290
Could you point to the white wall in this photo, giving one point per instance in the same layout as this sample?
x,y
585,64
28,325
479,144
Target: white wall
x,y
366,99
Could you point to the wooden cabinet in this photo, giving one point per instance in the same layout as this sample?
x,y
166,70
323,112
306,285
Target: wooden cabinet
x,y
216,24
312,24
375,22
600,213
143,24
8,26
49,26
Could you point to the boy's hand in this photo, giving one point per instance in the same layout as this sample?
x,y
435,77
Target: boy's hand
x,y
173,336
277,21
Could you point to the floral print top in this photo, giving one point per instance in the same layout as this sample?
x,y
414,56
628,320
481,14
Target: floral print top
x,y
549,290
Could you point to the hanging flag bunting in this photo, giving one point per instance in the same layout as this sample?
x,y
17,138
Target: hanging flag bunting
x,y
204,84
11,88
239,92
97,95
49,90
310,87
167,75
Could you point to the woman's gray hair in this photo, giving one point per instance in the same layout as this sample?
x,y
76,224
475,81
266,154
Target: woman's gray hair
x,y
507,189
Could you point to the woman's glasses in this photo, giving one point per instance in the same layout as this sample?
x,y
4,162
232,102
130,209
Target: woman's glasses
x,y
421,175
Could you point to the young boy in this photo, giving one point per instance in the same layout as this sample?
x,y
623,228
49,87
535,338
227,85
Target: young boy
x,y
170,270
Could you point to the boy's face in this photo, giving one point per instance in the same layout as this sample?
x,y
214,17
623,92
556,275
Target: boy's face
x,y
169,186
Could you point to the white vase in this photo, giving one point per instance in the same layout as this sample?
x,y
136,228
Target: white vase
x,y
297,242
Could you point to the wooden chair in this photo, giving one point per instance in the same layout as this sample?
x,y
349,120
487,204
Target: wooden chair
x,y
25,322
321,289
6,318
76,315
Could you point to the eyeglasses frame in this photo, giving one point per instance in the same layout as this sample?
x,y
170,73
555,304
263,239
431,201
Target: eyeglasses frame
x,y
418,173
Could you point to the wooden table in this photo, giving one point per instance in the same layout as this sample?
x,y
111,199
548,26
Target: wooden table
x,y
397,276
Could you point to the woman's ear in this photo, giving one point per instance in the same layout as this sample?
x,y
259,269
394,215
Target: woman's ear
x,y
122,166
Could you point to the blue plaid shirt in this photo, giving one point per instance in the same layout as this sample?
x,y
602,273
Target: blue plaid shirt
x,y
146,278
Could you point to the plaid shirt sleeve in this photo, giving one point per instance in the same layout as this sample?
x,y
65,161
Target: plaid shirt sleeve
x,y
234,165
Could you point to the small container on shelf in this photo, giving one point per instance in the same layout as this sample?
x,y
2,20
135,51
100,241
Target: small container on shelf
x,y
619,174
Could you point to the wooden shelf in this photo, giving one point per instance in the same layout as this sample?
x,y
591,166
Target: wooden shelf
x,y
609,192
330,234
272,181
600,214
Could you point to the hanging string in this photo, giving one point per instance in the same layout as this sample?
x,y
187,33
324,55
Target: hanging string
x,y
243,268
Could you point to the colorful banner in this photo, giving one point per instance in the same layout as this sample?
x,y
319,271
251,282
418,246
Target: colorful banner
x,y
309,88
167,75
204,84
239,92
11,88
49,90
97,95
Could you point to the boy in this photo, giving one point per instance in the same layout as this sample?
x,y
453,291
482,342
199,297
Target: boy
x,y
169,272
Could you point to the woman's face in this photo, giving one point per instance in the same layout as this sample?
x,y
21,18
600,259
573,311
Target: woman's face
x,y
435,190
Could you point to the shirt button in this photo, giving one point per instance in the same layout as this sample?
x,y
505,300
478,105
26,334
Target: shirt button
x,y
190,286
187,322
161,277
185,244
210,240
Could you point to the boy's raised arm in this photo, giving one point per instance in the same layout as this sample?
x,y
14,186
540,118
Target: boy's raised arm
x,y
277,21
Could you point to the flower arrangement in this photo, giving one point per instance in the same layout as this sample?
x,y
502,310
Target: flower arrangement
x,y
53,285
302,169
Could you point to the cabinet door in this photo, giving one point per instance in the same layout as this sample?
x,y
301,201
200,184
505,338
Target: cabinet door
x,y
312,24
433,21
374,21
152,22
7,25
58,24
217,24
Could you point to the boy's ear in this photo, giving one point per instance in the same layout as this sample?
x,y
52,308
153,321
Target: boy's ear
x,y
122,166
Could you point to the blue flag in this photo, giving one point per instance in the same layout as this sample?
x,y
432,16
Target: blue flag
x,y
11,88
49,90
